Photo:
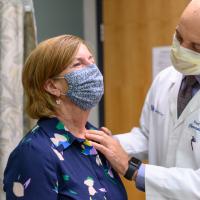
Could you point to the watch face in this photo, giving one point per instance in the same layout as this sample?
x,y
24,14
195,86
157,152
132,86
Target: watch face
x,y
135,161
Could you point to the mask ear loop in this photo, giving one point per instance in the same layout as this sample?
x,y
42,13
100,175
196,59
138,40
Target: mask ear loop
x,y
58,101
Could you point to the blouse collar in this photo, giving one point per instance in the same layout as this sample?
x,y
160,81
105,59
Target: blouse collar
x,y
62,139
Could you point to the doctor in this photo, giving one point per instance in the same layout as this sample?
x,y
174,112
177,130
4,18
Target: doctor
x,y
169,132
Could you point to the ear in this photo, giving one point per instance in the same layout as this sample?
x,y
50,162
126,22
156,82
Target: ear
x,y
50,87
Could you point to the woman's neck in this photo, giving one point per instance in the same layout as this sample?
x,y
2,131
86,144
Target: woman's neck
x,y
74,119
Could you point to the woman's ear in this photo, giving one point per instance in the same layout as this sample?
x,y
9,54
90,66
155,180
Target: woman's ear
x,y
51,88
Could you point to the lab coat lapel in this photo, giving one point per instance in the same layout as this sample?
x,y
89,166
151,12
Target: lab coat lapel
x,y
192,106
173,96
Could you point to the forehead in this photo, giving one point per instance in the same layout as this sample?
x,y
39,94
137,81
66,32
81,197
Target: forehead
x,y
82,51
189,23
189,31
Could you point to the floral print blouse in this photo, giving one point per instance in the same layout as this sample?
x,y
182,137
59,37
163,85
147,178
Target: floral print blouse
x,y
52,164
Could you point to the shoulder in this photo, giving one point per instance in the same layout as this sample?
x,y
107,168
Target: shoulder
x,y
35,142
34,151
32,165
163,83
165,79
168,75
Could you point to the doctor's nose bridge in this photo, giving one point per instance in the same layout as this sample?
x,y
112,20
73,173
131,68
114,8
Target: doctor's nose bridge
x,y
190,45
186,44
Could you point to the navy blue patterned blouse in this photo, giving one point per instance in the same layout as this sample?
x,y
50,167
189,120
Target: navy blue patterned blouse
x,y
51,164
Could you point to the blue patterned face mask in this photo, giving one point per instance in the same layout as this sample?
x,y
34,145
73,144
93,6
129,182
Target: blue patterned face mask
x,y
85,86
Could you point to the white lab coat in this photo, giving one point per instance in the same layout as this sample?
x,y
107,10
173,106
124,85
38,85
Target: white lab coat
x,y
173,171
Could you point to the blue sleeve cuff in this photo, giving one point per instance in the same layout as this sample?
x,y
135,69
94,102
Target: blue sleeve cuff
x,y
140,179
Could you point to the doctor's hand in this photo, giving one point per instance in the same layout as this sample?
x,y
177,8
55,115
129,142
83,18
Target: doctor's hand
x,y
110,147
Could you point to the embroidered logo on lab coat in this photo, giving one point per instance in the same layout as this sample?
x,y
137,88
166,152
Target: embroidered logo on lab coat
x,y
153,109
195,126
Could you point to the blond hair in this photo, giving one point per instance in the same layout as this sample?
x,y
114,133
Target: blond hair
x,y
46,61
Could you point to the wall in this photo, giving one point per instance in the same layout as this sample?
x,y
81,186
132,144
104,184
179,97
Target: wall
x,y
76,17
58,17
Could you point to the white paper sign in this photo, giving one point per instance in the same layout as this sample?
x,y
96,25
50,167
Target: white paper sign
x,y
160,59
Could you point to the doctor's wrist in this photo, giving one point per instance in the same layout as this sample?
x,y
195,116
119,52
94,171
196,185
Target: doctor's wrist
x,y
132,170
124,166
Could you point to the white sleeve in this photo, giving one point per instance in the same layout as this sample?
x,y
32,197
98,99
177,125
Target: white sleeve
x,y
135,142
171,183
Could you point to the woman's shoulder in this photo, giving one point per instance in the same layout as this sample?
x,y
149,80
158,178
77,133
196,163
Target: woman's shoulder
x,y
30,163
34,140
36,145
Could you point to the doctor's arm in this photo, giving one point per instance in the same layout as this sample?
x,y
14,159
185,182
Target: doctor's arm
x,y
160,182
174,183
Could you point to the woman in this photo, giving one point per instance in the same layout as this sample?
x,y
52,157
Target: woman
x,y
54,160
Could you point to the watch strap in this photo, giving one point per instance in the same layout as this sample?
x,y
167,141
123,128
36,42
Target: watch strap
x,y
133,166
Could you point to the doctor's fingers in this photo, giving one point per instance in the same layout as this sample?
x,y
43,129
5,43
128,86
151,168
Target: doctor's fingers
x,y
105,140
97,132
104,150
106,130
98,136
110,156
118,158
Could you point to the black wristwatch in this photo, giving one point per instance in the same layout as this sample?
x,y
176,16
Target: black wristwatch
x,y
134,165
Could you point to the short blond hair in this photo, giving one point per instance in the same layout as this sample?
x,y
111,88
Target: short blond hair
x,y
46,61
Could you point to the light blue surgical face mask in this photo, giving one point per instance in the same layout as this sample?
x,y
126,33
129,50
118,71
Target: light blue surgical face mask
x,y
85,86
